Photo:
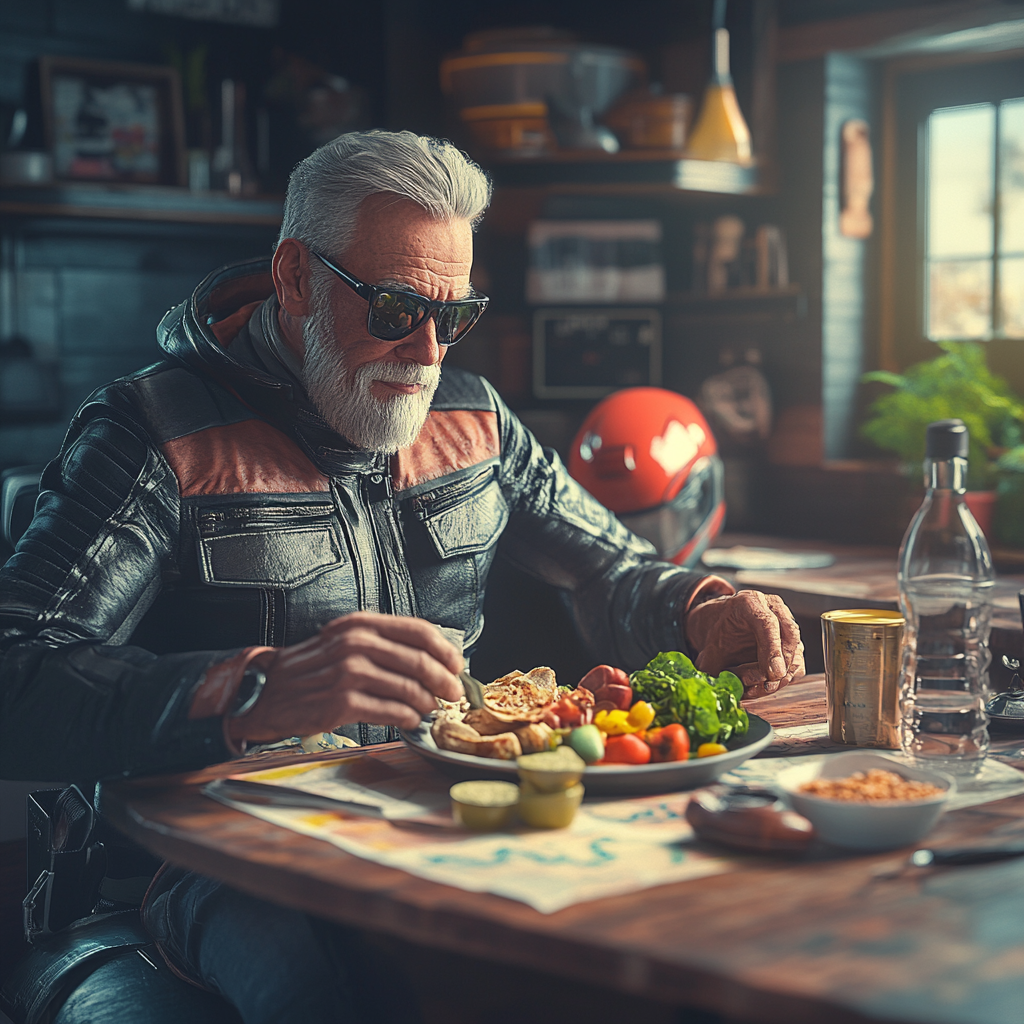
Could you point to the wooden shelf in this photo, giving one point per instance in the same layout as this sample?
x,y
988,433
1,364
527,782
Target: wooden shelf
x,y
642,170
137,203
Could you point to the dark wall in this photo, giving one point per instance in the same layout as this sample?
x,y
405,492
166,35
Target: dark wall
x,y
90,295
87,293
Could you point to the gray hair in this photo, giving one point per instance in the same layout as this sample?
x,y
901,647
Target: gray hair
x,y
326,189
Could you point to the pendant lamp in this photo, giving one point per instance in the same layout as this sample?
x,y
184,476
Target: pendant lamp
x,y
720,133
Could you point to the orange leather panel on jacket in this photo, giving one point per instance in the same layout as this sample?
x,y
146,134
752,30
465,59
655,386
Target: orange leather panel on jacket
x,y
450,440
225,330
251,457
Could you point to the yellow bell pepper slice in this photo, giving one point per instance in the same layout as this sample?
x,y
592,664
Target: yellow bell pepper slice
x,y
614,723
641,715
711,749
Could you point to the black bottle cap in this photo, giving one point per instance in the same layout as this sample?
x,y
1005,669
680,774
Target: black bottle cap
x,y
947,439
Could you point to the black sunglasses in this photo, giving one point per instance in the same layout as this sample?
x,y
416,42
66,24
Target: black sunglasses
x,y
394,314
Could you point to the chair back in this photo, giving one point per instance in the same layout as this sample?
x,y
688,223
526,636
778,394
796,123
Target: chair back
x,y
19,488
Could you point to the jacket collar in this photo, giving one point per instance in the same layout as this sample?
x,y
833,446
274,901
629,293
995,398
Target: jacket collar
x,y
189,334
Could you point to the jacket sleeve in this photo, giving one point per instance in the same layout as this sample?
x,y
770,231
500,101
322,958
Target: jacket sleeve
x,y
627,604
74,702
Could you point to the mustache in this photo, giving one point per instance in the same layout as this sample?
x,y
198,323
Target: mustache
x,y
400,373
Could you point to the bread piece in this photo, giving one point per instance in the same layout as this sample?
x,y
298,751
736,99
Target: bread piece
x,y
536,737
464,739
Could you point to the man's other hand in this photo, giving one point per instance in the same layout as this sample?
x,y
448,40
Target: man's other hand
x,y
751,634
363,667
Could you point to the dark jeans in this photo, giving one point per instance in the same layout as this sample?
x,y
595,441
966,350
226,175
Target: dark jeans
x,y
274,965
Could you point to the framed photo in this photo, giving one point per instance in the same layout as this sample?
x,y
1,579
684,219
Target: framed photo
x,y
591,352
108,121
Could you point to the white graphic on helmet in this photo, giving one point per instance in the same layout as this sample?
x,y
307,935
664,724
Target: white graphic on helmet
x,y
677,446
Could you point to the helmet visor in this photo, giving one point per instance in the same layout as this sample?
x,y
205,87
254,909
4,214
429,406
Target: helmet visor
x,y
670,527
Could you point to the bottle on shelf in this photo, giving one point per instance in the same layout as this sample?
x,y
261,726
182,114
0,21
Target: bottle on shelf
x,y
945,582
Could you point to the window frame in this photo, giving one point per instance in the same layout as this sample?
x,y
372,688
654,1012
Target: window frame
x,y
913,87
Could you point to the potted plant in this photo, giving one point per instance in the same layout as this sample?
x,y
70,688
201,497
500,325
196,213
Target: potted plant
x,y
957,384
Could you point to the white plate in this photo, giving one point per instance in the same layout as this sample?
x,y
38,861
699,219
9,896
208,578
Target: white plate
x,y
618,780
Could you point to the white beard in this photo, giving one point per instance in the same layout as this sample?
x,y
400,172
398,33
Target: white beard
x,y
345,401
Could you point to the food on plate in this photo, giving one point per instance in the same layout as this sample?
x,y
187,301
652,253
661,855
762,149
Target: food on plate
x,y
484,805
627,749
875,784
667,711
536,737
574,707
521,697
669,743
712,749
610,687
551,771
549,810
618,722
450,734
588,742
708,707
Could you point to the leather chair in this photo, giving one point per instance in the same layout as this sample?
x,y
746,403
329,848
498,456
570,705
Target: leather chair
x,y
101,968
19,488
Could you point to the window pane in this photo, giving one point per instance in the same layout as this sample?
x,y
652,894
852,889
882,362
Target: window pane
x,y
1011,287
959,299
1011,175
961,141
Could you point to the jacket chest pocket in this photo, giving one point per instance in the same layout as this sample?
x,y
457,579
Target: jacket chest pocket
x,y
268,547
465,517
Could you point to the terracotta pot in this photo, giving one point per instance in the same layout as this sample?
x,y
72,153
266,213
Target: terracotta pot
x,y
982,505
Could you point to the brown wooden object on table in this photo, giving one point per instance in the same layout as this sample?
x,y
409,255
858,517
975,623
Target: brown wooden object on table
x,y
822,938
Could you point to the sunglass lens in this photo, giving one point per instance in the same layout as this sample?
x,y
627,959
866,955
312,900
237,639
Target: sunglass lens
x,y
455,321
393,315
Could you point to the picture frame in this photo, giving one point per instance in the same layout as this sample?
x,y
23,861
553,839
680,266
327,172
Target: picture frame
x,y
113,122
591,351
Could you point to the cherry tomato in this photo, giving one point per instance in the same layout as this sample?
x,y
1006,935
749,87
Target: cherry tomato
x,y
625,750
672,743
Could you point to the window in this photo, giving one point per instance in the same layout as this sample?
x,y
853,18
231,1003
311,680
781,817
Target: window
x,y
951,246
974,231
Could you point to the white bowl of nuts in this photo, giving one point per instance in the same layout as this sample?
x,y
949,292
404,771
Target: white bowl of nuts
x,y
867,801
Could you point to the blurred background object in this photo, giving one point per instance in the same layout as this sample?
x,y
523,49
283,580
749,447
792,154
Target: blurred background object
x,y
510,74
649,119
595,261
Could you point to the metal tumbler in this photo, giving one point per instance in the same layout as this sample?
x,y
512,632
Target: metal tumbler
x,y
862,676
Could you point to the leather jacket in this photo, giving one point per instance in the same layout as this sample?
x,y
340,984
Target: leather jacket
x,y
200,506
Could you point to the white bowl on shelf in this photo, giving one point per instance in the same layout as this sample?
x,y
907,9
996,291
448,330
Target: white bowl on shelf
x,y
869,825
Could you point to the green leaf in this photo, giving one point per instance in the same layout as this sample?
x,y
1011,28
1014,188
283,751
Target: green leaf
x,y
731,682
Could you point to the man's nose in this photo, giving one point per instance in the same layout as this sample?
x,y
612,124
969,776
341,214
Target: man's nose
x,y
421,346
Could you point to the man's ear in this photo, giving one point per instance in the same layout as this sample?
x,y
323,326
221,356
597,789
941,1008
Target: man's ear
x,y
291,277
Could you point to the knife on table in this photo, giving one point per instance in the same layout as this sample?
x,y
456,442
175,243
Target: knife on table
x,y
953,855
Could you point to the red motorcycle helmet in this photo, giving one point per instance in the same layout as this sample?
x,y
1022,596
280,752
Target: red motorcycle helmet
x,y
649,456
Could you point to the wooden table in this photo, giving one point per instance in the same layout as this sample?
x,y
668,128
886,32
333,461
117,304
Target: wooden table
x,y
817,940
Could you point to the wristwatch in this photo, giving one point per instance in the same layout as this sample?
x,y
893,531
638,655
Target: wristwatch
x,y
253,681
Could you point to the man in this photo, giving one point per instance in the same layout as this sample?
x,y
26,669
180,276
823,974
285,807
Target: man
x,y
258,537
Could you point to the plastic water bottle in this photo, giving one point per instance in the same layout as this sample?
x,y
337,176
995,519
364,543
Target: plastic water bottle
x,y
946,580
